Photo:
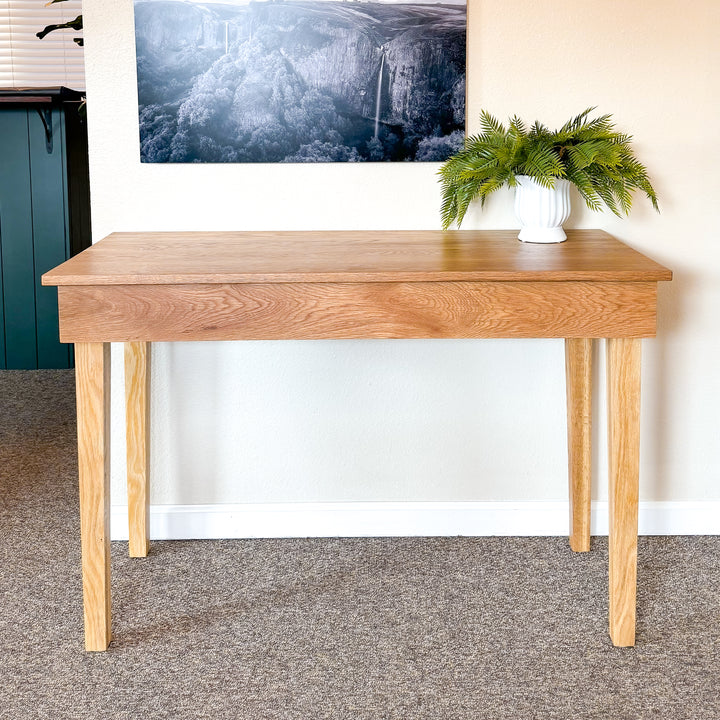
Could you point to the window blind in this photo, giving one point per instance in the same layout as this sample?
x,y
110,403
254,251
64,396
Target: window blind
x,y
27,61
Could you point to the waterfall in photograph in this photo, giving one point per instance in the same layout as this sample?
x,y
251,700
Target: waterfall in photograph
x,y
379,93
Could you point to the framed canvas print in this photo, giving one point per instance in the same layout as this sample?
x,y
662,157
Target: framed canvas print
x,y
300,80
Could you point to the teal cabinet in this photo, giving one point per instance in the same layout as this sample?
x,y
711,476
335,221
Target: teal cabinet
x,y
44,219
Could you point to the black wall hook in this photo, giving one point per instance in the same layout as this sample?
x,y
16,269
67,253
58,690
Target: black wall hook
x,y
46,117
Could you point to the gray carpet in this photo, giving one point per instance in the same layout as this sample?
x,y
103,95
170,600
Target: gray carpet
x,y
381,629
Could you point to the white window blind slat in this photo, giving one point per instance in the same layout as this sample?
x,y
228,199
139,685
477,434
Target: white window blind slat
x,y
27,61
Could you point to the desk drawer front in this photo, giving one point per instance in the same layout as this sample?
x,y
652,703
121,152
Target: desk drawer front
x,y
274,311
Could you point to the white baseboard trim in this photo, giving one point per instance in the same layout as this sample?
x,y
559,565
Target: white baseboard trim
x,y
403,519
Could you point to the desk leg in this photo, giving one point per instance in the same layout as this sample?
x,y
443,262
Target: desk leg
x,y
623,381
92,377
137,423
578,381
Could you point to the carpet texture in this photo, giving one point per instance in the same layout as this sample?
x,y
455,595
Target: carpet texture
x,y
361,629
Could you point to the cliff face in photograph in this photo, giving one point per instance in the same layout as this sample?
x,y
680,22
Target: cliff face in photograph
x,y
299,81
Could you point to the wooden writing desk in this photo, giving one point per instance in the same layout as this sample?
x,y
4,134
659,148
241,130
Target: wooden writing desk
x,y
137,288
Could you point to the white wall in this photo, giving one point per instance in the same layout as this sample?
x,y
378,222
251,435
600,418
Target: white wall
x,y
434,420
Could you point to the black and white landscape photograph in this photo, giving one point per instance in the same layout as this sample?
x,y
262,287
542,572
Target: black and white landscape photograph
x,y
295,81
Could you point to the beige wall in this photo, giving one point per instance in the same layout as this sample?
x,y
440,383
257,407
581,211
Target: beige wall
x,y
430,420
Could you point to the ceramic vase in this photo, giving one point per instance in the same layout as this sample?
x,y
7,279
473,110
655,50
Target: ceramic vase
x,y
542,210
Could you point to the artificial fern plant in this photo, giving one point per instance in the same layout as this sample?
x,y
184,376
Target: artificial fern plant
x,y
590,153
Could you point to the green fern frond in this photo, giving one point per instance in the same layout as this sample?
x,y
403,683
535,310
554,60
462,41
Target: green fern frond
x,y
624,197
607,192
490,125
583,183
600,152
579,120
544,165
538,130
517,127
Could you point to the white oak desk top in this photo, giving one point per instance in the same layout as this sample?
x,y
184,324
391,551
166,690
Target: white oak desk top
x,y
171,258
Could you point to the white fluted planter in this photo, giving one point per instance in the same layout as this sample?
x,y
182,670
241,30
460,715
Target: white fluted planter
x,y
542,211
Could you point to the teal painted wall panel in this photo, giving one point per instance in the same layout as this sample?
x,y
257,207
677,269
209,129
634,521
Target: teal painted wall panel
x,y
50,230
16,236
2,311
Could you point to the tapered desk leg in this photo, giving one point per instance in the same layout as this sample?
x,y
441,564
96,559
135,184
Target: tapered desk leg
x,y
623,384
92,375
578,380
137,421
